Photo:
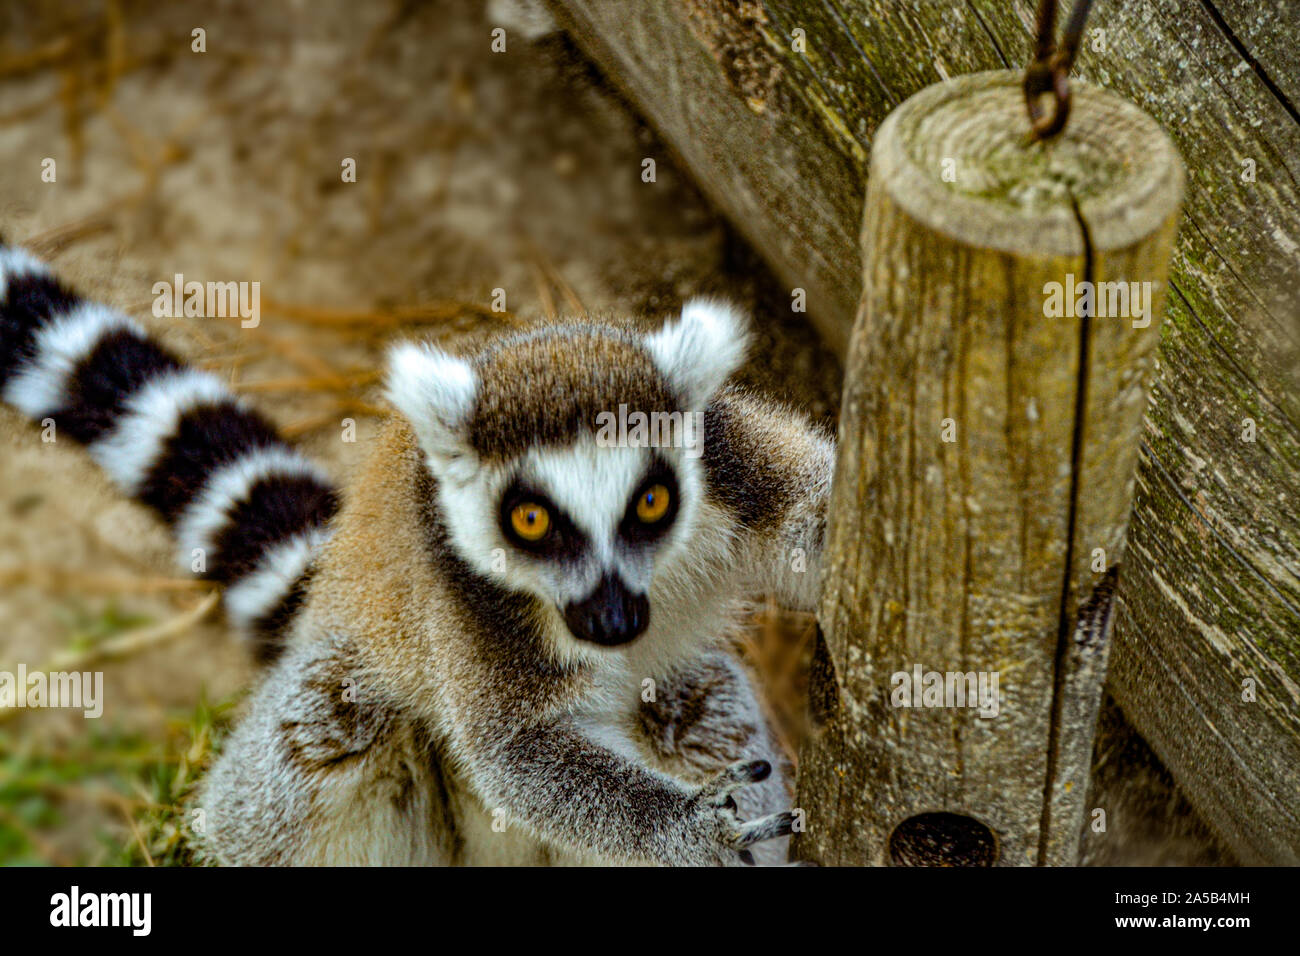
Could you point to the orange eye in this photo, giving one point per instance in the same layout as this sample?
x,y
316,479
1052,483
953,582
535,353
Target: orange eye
x,y
530,521
653,504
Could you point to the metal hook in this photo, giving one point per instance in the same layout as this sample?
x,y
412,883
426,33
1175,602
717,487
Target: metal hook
x,y
1050,70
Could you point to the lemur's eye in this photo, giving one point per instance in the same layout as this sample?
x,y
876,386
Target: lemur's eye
x,y
530,520
653,504
653,507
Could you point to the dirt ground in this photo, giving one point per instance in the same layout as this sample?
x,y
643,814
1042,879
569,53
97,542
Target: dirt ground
x,y
475,171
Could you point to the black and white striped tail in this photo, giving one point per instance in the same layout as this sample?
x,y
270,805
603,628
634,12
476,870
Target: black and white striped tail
x,y
172,436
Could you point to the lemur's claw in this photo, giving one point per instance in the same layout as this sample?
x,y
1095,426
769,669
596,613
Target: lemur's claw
x,y
765,828
719,791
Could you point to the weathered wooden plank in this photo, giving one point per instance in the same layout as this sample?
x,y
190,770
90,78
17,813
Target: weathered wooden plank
x,y
1258,30
778,137
757,156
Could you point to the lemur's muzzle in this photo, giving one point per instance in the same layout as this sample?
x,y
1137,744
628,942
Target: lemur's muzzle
x,y
612,615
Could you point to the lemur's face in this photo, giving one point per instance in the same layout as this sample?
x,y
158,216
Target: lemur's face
x,y
568,460
583,527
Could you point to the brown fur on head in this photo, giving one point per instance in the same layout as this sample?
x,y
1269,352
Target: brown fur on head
x,y
547,385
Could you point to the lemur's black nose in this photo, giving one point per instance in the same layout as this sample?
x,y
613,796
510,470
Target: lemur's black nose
x,y
612,615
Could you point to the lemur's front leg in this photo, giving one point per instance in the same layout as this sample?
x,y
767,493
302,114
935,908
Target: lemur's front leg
x,y
704,717
315,775
772,469
580,788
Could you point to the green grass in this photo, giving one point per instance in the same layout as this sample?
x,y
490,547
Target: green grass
x,y
136,791
87,629
108,797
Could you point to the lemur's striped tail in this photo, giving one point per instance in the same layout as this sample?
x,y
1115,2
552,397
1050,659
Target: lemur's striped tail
x,y
246,509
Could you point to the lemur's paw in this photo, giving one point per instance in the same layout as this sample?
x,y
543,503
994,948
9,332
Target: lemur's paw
x,y
717,825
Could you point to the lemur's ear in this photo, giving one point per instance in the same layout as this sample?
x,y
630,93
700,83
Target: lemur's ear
x,y
435,392
699,351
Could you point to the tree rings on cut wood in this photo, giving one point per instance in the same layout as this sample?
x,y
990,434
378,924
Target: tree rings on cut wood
x,y
995,385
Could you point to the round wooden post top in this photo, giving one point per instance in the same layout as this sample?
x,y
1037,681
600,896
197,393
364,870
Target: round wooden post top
x,y
958,157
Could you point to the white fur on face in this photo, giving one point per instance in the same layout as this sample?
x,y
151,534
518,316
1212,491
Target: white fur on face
x,y
594,486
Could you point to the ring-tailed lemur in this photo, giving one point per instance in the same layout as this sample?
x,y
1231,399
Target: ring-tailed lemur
x,y
507,641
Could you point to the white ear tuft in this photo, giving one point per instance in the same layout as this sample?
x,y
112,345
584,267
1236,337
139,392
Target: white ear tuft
x,y
699,351
435,392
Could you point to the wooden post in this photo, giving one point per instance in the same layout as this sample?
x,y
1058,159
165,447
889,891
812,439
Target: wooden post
x,y
988,442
